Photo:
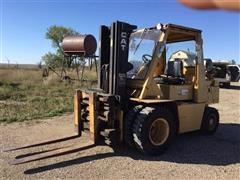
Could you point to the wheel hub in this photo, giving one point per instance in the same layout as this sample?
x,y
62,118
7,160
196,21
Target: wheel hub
x,y
212,124
159,131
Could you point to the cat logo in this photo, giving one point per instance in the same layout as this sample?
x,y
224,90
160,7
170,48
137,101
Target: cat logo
x,y
123,40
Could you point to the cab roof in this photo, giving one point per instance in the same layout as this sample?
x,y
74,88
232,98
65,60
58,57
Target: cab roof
x,y
179,33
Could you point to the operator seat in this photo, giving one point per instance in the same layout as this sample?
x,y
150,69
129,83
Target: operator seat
x,y
174,74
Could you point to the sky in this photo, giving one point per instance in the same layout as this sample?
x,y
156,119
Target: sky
x,y
24,24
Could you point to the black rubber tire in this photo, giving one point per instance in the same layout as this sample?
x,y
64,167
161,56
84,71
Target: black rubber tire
x,y
226,85
207,127
128,124
141,129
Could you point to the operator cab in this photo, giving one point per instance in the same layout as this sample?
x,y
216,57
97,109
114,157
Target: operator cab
x,y
180,68
173,74
142,44
164,62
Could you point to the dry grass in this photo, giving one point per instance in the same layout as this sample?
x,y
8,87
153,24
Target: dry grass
x,y
20,75
25,96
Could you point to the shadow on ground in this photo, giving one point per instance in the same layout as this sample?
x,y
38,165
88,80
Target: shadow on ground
x,y
220,149
232,87
235,87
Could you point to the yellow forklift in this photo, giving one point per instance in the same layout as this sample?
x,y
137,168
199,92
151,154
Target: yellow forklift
x,y
142,97
149,106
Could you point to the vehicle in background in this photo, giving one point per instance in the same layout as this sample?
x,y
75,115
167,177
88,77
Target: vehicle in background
x,y
235,72
222,74
225,73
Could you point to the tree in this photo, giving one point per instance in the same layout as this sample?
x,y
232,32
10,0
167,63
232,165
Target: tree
x,y
56,35
52,59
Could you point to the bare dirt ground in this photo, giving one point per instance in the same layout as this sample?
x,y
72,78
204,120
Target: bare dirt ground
x,y
192,155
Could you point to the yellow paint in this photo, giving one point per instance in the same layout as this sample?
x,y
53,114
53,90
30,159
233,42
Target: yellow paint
x,y
176,92
190,116
93,121
77,110
150,87
189,74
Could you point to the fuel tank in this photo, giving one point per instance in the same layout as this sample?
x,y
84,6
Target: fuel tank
x,y
84,44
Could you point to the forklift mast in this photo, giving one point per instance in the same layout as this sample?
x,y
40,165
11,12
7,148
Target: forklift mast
x,y
113,59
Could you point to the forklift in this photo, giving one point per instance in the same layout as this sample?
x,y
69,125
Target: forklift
x,y
147,107
143,98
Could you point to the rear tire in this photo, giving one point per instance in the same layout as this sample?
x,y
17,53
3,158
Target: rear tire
x,y
226,85
210,121
153,130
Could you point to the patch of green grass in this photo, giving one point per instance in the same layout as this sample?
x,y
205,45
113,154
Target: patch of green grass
x,y
24,99
35,101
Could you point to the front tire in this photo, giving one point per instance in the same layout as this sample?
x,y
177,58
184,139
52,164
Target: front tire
x,y
128,124
153,130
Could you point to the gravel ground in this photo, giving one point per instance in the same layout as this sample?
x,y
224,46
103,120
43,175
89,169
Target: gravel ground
x,y
191,156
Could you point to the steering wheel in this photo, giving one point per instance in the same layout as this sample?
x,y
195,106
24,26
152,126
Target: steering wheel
x,y
146,58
